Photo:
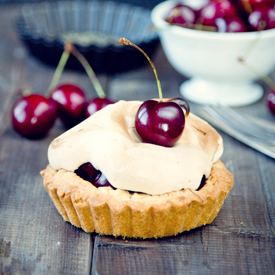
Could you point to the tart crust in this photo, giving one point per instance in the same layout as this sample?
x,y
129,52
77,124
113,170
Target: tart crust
x,y
120,213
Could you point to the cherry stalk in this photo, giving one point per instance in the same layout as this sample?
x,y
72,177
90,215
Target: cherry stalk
x,y
70,99
101,100
90,72
60,67
271,94
159,122
33,115
128,42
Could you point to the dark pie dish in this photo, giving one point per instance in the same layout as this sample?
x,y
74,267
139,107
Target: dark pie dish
x,y
94,27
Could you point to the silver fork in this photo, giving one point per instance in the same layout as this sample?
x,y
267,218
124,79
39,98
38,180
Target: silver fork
x,y
239,123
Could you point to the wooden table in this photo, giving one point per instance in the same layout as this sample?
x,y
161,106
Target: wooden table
x,y
34,239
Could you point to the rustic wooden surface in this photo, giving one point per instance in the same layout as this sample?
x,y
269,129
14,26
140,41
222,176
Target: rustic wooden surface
x,y
35,240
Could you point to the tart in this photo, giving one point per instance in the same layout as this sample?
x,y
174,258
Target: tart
x,y
154,191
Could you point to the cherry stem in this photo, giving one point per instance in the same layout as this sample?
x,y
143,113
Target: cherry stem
x,y
60,67
182,103
249,10
128,42
261,75
257,72
200,27
252,47
247,6
26,92
90,72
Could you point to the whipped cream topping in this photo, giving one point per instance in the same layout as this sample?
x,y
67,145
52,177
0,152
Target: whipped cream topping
x,y
109,141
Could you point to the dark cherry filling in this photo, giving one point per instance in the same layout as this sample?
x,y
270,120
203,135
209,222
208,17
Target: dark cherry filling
x,y
203,182
101,180
87,172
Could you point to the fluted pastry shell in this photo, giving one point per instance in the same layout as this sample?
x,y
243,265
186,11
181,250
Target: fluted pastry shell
x,y
120,213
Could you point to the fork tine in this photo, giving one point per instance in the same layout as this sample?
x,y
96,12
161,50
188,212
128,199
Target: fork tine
x,y
246,122
240,124
216,113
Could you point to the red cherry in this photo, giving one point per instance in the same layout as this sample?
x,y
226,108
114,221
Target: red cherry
x,y
182,15
95,105
271,101
220,24
216,9
160,123
70,101
235,24
33,116
262,19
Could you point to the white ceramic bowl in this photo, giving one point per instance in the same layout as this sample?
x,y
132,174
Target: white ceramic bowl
x,y
211,60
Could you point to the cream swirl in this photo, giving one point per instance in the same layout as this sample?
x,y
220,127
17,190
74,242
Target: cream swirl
x,y
109,141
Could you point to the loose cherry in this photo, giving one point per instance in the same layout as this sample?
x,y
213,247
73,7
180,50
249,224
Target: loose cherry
x,y
159,122
70,101
182,15
271,95
271,101
99,102
69,98
33,116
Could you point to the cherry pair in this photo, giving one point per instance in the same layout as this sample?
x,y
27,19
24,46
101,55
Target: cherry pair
x,y
34,115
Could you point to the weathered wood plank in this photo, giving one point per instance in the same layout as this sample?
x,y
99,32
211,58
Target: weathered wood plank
x,y
33,237
206,250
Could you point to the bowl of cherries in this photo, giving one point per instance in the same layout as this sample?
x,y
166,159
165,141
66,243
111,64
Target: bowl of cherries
x,y
222,46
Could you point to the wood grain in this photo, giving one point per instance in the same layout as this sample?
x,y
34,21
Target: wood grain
x,y
35,240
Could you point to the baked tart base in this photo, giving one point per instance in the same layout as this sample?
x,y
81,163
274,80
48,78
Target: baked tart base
x,y
121,213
